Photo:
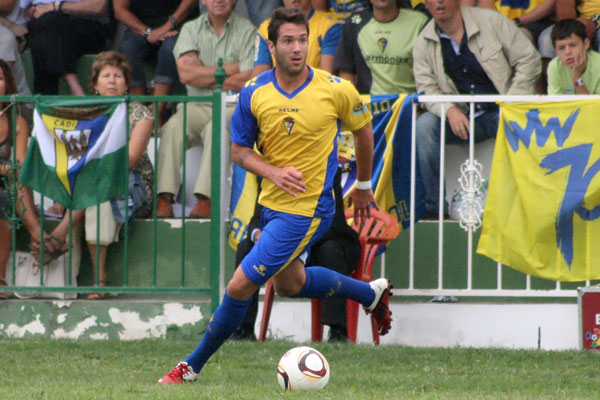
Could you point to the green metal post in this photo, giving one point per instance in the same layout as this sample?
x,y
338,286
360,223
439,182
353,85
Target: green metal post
x,y
216,223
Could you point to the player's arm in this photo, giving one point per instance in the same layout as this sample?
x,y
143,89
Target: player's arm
x,y
288,179
362,199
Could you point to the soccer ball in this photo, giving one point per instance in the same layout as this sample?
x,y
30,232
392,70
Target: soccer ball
x,y
303,369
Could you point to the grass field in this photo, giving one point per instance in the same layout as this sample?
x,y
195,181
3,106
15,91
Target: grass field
x,y
60,369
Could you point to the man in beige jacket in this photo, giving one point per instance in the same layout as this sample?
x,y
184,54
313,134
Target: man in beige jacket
x,y
465,50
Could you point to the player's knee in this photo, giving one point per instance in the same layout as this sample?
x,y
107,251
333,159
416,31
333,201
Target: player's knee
x,y
239,287
287,289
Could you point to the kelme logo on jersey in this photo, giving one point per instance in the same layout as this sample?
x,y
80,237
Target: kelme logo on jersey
x,y
359,108
382,43
289,124
261,270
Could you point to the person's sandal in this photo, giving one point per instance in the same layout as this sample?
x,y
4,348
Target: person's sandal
x,y
97,296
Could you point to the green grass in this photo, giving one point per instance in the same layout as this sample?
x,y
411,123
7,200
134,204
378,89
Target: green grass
x,y
85,369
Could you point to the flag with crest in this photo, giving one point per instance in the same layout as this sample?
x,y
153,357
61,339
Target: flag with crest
x,y
77,155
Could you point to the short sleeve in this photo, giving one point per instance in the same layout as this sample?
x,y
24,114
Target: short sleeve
x,y
331,39
139,112
262,55
554,86
353,113
186,40
244,126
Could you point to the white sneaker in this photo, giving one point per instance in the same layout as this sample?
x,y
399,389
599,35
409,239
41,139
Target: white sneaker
x,y
380,309
379,286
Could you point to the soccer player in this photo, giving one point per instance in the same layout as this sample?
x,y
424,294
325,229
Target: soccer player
x,y
293,114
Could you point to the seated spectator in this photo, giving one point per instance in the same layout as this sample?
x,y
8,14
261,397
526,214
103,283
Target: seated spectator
x,y
218,33
341,8
576,70
12,39
258,10
375,52
150,35
59,33
466,50
9,143
111,75
586,11
324,32
338,250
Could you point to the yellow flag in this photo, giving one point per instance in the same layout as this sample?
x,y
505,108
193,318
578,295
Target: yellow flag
x,y
542,214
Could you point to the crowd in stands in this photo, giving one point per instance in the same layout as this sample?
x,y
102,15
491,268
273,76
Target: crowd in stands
x,y
381,46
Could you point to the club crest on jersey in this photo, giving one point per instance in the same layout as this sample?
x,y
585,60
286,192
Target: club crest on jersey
x,y
382,43
289,124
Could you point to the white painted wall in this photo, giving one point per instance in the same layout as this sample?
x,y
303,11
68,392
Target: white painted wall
x,y
449,325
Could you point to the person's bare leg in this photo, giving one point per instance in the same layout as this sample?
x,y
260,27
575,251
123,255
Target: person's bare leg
x,y
98,256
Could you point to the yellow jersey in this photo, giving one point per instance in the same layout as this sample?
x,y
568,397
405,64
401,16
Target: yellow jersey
x,y
298,130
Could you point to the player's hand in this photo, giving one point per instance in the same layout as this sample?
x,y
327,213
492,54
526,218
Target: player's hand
x,y
362,201
288,179
459,123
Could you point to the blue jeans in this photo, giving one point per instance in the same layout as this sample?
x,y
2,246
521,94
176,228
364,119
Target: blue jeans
x,y
137,49
428,149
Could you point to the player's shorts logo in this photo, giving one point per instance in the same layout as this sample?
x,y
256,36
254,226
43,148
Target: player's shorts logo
x,y
289,124
261,270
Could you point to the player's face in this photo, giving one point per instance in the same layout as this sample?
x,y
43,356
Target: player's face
x,y
571,48
111,81
291,48
219,8
442,10
304,5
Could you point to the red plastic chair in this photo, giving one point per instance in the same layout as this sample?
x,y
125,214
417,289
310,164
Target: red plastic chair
x,y
378,230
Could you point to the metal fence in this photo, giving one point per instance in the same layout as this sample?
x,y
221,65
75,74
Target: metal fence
x,y
217,229
470,178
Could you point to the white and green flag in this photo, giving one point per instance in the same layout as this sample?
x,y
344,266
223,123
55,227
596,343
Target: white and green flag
x,y
77,155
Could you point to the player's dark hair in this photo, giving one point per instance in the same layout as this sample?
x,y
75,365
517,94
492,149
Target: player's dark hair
x,y
283,15
567,27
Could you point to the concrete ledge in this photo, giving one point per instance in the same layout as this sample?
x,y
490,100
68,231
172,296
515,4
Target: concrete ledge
x,y
107,319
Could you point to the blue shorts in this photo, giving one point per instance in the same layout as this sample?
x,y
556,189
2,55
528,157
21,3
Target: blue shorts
x,y
284,237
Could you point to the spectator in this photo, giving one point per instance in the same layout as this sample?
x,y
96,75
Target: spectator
x,y
375,52
111,75
341,8
466,50
218,33
12,39
587,11
258,10
324,32
150,34
60,32
338,250
8,144
576,70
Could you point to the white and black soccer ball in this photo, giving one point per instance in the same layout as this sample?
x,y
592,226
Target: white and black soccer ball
x,y
303,369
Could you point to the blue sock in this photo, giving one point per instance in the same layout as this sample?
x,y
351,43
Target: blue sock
x,y
323,282
227,317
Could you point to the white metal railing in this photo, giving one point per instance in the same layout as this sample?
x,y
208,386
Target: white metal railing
x,y
469,225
